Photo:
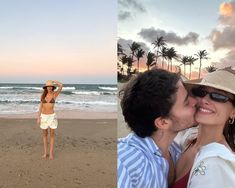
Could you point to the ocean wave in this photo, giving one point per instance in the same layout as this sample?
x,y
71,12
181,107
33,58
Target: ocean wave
x,y
28,88
86,92
19,101
6,87
68,88
20,87
109,93
108,88
33,101
32,88
93,93
87,102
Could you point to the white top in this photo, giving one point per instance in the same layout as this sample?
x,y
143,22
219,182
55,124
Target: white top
x,y
214,167
185,137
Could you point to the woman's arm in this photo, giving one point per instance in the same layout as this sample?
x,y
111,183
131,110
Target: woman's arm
x,y
60,86
39,114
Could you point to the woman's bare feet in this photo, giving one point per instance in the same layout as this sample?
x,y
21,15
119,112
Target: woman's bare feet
x,y
51,157
44,156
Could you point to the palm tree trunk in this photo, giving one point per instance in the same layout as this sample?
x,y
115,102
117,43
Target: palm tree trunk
x,y
168,65
200,69
184,69
157,56
132,58
190,72
138,66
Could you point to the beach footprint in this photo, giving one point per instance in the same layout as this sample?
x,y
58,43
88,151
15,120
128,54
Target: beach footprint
x,y
77,181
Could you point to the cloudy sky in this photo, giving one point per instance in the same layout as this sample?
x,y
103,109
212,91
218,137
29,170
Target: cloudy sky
x,y
187,25
73,41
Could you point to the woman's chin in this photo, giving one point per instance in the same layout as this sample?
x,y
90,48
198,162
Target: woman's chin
x,y
202,118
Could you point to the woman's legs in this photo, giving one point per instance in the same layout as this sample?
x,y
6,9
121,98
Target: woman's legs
x,y
52,136
45,142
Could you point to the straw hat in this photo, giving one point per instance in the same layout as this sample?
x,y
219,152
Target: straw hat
x,y
223,79
49,84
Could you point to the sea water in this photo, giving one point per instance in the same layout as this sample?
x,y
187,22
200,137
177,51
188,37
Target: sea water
x,y
25,98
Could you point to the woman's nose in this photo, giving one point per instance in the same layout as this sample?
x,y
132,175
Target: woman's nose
x,y
205,99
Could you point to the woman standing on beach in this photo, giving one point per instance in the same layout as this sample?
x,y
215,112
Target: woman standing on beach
x,y
46,115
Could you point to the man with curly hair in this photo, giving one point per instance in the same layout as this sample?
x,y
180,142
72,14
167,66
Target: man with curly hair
x,y
155,106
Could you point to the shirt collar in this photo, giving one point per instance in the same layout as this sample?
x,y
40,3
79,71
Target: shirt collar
x,y
147,144
151,146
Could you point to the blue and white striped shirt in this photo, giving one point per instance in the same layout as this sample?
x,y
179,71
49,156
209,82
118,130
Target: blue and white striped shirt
x,y
141,164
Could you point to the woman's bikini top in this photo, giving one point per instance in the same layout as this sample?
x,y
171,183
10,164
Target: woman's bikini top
x,y
51,101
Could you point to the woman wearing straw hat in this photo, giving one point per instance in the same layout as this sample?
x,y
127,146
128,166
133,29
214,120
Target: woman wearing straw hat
x,y
209,160
46,115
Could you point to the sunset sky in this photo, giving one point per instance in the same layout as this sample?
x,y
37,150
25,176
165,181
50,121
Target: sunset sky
x,y
187,25
73,41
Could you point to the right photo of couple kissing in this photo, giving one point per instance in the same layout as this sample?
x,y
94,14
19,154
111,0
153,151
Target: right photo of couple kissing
x,y
182,132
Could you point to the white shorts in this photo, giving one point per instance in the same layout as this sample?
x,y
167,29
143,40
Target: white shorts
x,y
48,121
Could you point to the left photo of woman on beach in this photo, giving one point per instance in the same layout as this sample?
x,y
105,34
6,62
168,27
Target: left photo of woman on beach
x,y
58,88
46,115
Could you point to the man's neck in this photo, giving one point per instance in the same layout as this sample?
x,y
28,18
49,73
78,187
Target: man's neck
x,y
163,140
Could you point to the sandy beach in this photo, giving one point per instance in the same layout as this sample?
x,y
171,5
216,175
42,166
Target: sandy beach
x,y
84,156
66,114
122,129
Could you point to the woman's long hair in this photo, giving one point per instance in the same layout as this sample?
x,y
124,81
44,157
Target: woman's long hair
x,y
229,133
44,94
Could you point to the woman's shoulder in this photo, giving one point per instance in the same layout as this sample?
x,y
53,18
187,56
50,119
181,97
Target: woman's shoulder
x,y
216,148
215,151
212,172
216,161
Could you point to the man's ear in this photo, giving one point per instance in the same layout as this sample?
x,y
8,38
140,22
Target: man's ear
x,y
162,123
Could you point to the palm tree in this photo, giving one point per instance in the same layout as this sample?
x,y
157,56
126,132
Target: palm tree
x,y
191,60
124,61
211,68
150,59
202,54
120,50
159,43
140,53
171,54
129,61
119,67
134,47
184,61
163,54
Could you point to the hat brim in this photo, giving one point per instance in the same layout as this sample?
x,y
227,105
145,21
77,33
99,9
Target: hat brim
x,y
44,87
198,82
